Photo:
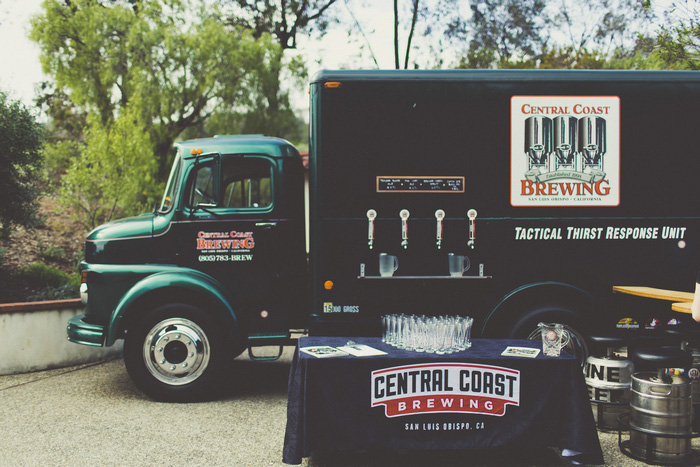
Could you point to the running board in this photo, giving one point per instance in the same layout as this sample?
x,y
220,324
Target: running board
x,y
267,340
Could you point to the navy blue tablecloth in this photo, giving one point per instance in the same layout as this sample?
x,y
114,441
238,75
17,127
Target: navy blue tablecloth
x,y
475,399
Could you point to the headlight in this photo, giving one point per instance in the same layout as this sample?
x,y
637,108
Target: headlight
x,y
84,293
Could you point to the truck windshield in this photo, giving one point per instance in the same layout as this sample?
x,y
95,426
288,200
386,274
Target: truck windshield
x,y
171,190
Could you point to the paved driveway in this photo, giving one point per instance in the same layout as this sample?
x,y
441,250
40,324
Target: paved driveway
x,y
93,415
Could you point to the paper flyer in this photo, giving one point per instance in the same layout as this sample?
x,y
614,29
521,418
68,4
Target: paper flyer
x,y
361,350
323,351
520,352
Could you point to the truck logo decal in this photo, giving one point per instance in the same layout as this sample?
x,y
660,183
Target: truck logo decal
x,y
565,151
445,388
225,246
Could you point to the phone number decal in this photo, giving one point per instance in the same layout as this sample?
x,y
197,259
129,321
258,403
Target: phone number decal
x,y
216,258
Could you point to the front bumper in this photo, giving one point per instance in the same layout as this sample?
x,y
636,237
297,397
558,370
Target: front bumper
x,y
84,333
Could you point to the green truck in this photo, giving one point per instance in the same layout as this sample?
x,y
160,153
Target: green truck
x,y
555,185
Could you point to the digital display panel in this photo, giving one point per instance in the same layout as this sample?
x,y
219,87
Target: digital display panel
x,y
389,184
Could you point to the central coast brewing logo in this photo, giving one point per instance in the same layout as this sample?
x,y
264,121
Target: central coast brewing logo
x,y
565,150
445,388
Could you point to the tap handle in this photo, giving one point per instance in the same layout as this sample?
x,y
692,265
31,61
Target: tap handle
x,y
471,214
371,215
439,215
404,214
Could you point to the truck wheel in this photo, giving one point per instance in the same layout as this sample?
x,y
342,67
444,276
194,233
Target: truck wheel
x,y
176,353
526,328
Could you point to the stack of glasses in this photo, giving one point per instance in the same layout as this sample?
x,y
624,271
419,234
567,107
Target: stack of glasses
x,y
431,334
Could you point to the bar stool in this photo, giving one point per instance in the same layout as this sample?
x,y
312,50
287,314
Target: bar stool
x,y
660,417
608,378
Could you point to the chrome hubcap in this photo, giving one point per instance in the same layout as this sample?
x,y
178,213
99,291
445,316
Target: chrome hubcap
x,y
176,351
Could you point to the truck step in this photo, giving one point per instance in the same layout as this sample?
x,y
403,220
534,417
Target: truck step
x,y
279,339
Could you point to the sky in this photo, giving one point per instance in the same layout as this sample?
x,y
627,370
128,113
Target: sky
x,y
20,69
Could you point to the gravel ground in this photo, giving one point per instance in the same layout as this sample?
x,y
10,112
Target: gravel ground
x,y
93,415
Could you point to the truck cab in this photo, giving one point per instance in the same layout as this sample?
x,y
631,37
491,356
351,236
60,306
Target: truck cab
x,y
219,266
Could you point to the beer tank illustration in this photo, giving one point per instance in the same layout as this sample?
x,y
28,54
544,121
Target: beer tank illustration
x,y
564,144
538,143
592,142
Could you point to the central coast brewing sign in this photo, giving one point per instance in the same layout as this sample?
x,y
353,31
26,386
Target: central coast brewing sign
x,y
445,388
565,151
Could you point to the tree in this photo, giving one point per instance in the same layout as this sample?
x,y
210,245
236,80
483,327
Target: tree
x,y
283,19
599,25
108,174
500,32
20,165
144,71
414,14
551,33
65,131
679,40
177,57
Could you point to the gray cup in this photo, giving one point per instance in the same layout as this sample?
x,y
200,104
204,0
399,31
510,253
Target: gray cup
x,y
458,264
387,264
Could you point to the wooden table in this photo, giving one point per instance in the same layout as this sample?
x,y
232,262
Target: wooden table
x,y
682,300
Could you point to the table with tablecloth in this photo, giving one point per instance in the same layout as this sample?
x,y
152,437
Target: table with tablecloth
x,y
404,400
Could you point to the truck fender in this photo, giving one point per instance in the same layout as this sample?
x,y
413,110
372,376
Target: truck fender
x,y
517,305
190,280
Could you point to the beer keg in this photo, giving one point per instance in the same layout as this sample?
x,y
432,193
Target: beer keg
x,y
660,417
608,380
694,375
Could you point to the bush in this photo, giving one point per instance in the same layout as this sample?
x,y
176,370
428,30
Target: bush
x,y
53,283
64,292
20,164
52,252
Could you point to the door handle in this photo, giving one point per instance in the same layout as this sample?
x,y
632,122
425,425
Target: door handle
x,y
265,225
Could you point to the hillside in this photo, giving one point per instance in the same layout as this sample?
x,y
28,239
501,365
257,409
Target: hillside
x,y
58,243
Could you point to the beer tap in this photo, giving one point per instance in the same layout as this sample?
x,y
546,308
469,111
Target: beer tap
x,y
439,215
371,215
471,214
404,228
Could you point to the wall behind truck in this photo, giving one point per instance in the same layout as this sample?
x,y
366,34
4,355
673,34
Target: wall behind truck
x,y
33,338
639,226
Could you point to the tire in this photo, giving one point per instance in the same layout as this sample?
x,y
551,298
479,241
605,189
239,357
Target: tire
x,y
527,328
176,353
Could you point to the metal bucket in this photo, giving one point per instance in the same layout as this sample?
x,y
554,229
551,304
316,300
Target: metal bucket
x,y
660,409
608,380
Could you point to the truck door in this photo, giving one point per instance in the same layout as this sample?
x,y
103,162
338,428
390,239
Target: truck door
x,y
233,230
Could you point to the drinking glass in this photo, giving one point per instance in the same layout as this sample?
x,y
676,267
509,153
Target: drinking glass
x,y
458,264
553,338
388,264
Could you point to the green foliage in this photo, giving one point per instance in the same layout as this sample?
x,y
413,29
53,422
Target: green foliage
x,y
53,283
174,63
269,110
52,252
41,275
20,165
508,27
62,292
571,35
114,174
58,157
679,40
